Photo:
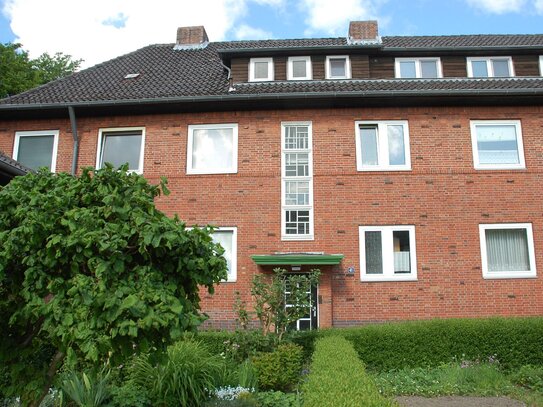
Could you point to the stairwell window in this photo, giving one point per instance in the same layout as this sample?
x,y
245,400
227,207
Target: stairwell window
x,y
490,67
119,146
418,68
36,149
382,146
212,149
296,181
387,253
299,69
507,250
261,69
497,144
338,67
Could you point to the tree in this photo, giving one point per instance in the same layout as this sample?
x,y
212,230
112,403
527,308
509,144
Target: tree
x,y
20,73
91,271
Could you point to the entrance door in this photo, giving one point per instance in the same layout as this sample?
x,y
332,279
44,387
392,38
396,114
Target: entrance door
x,y
310,319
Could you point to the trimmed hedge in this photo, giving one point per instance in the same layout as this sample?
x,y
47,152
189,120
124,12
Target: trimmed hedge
x,y
338,378
513,341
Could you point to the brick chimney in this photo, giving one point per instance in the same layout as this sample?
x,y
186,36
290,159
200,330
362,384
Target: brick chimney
x,y
363,31
191,37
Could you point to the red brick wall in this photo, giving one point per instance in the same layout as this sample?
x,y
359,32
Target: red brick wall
x,y
443,196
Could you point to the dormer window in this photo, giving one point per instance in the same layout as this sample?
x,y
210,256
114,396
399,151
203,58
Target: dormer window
x,y
490,67
260,69
338,67
541,65
299,69
418,68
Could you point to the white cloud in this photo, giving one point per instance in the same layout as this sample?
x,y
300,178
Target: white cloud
x,y
99,30
246,32
538,6
332,17
498,6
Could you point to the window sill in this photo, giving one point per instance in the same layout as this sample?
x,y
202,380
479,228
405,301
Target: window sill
x,y
504,276
500,167
211,172
366,279
297,237
383,169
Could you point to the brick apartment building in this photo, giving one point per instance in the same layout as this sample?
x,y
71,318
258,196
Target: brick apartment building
x,y
407,169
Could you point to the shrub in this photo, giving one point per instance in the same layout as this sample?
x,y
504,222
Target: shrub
x,y
238,345
338,378
186,376
86,390
513,341
277,399
530,377
280,369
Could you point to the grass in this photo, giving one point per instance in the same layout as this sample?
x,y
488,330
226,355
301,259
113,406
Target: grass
x,y
483,380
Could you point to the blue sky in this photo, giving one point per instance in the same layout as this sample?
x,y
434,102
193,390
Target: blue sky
x,y
102,29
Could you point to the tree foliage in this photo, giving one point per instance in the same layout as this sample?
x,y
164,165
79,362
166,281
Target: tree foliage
x,y
91,271
20,73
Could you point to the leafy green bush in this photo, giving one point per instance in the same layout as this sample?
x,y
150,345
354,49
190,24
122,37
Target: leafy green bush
x,y
280,369
86,390
277,399
238,345
186,376
513,341
338,378
530,377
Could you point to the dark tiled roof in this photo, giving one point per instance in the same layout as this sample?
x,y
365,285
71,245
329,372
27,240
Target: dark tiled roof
x,y
390,85
14,167
166,73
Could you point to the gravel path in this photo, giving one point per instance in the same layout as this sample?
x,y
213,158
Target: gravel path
x,y
455,401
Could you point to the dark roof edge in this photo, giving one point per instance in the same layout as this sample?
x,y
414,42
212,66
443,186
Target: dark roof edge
x,y
502,49
11,166
236,51
278,96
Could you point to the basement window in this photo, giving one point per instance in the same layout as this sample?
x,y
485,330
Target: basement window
x,y
507,250
119,146
261,69
36,149
338,67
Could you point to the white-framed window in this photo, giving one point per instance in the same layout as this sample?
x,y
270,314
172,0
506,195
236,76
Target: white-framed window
x,y
212,149
299,69
227,237
338,67
490,67
418,68
261,69
296,181
507,250
387,253
382,145
497,144
121,145
36,149
541,65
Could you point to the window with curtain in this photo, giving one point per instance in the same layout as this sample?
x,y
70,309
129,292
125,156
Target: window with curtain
x,y
36,149
387,253
497,144
507,250
212,149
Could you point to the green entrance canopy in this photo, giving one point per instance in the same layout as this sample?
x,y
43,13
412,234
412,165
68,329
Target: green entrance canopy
x,y
295,259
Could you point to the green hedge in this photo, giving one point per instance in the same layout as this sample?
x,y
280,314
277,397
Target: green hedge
x,y
513,341
338,378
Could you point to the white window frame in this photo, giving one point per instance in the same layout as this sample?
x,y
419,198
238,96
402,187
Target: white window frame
x,y
309,178
541,65
475,151
233,277
489,66
252,69
54,133
382,152
308,67
328,69
507,274
115,130
388,254
190,139
418,69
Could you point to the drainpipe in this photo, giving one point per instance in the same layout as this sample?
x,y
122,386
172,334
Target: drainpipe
x,y
73,122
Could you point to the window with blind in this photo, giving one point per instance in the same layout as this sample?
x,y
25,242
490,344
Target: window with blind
x,y
507,250
119,146
299,69
338,67
387,253
36,149
261,69
497,144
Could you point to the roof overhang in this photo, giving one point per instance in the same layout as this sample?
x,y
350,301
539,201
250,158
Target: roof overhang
x,y
297,259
